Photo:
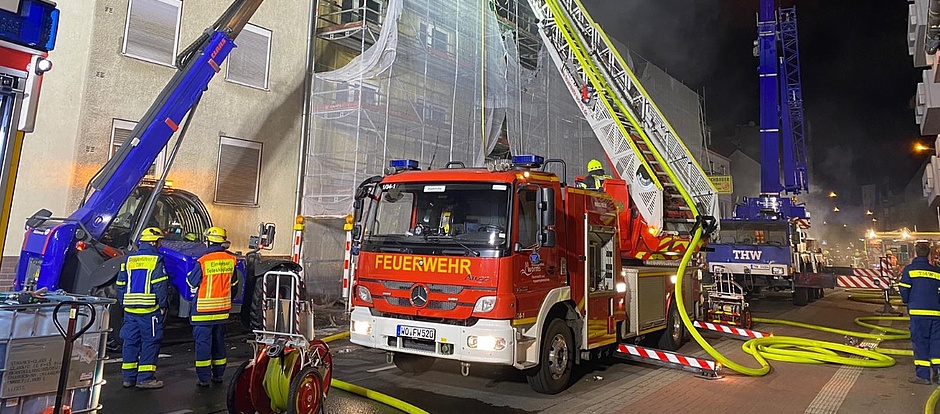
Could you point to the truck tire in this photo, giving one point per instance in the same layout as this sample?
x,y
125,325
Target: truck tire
x,y
116,314
556,360
253,319
800,296
674,335
413,364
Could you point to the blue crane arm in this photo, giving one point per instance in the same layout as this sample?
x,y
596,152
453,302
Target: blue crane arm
x,y
49,242
151,135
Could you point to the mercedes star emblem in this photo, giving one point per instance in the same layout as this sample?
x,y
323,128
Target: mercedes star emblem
x,y
419,296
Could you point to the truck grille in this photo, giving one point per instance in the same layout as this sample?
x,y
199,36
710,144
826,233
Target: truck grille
x,y
434,288
434,304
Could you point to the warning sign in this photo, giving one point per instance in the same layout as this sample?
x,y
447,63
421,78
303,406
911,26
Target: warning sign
x,y
722,183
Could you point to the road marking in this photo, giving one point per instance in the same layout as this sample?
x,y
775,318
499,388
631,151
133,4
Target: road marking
x,y
833,394
385,368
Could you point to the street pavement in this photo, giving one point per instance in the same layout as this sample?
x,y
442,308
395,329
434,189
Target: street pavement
x,y
606,386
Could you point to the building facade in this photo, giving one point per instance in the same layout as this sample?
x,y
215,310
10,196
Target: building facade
x,y
112,59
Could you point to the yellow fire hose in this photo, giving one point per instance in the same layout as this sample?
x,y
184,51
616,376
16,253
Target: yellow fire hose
x,y
808,351
370,394
793,349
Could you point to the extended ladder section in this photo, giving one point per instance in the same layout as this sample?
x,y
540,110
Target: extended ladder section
x,y
666,183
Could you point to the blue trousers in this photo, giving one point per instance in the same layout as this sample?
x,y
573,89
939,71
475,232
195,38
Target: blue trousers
x,y
925,336
210,351
141,334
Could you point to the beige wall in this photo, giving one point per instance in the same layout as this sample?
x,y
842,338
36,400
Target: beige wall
x,y
103,84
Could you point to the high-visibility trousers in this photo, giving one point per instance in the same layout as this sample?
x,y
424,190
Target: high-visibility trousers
x,y
141,334
210,351
925,336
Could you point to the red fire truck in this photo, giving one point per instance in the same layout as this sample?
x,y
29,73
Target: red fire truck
x,y
506,265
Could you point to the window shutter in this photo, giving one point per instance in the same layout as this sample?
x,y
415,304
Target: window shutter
x,y
239,172
248,63
121,132
152,29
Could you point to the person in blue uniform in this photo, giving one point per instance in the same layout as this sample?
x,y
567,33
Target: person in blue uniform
x,y
142,291
920,291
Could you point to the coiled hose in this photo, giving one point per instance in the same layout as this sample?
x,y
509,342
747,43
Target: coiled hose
x,y
794,349
371,394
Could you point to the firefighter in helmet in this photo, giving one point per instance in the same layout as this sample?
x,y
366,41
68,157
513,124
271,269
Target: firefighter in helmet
x,y
920,291
211,282
596,176
142,290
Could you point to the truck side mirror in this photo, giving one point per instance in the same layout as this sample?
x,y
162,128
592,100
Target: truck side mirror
x,y
545,204
265,237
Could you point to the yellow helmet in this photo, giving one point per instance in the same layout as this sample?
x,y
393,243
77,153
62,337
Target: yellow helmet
x,y
215,235
594,165
151,234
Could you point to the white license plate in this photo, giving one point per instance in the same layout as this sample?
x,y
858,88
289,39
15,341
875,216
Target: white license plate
x,y
415,332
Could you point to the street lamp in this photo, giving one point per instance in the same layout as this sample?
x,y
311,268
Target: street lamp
x,y
920,147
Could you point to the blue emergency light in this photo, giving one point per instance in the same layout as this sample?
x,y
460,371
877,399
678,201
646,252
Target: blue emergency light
x,y
403,164
33,24
528,161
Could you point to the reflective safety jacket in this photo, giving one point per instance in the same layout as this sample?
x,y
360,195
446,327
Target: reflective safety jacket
x,y
142,283
594,181
920,288
212,281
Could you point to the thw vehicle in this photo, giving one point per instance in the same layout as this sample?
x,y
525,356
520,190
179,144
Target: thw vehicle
x,y
768,251
506,266
73,253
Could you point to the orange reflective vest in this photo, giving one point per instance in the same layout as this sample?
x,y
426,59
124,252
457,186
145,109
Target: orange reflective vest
x,y
214,296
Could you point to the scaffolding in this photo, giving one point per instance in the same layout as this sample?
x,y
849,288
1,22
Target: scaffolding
x,y
436,81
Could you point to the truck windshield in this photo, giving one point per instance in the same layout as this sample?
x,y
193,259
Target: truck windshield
x,y
462,214
749,232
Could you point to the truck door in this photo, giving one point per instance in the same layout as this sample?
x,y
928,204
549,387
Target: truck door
x,y
600,282
537,268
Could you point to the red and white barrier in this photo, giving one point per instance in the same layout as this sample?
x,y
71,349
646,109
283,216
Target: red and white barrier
x,y
669,359
864,282
732,330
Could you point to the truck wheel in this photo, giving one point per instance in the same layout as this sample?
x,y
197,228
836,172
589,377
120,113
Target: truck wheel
x,y
556,360
116,314
413,364
674,335
800,296
256,310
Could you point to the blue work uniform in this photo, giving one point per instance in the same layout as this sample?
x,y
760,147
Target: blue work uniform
x,y
920,290
211,281
142,290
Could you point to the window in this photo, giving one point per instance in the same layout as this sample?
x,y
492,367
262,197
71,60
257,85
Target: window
x,y
435,38
373,9
528,229
600,260
121,132
431,113
249,63
152,30
239,173
368,93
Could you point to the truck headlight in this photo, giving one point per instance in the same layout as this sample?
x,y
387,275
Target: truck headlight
x,y
486,343
364,294
485,304
621,287
673,279
777,270
361,328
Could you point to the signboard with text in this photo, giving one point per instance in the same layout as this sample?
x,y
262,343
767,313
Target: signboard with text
x,y
722,183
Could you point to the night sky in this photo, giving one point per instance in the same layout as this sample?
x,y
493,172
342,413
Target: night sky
x,y
858,79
